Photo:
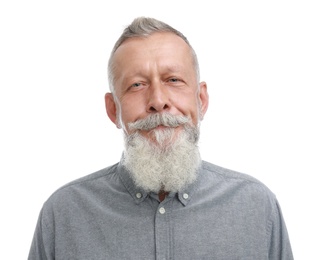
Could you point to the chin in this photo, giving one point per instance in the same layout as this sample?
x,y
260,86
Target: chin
x,y
163,136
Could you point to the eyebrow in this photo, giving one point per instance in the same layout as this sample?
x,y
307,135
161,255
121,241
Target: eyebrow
x,y
165,69
174,68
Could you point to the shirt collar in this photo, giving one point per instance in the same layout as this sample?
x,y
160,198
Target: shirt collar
x,y
187,193
138,194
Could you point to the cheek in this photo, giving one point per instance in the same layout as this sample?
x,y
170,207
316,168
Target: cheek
x,y
131,110
189,107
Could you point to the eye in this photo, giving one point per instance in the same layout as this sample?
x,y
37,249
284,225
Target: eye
x,y
174,80
135,85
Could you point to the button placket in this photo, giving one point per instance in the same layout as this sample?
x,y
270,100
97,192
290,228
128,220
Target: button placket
x,y
162,231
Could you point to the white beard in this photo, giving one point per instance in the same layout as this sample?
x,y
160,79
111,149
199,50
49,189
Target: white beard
x,y
169,164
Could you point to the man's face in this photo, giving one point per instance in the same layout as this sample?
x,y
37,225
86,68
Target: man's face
x,y
155,75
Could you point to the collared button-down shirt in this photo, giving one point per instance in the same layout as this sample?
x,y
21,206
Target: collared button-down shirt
x,y
222,215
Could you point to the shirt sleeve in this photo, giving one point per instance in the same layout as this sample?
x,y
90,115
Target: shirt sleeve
x,y
42,241
279,244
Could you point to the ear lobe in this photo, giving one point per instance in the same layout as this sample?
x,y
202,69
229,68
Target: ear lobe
x,y
204,98
111,108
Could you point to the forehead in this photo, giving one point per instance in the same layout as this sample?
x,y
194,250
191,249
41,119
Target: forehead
x,y
154,40
162,49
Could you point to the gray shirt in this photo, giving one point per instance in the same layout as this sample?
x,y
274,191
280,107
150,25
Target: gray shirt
x,y
222,215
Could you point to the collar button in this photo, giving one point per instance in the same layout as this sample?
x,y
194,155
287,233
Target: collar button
x,y
185,196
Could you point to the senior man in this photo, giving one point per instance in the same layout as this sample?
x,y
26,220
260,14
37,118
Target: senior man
x,y
161,201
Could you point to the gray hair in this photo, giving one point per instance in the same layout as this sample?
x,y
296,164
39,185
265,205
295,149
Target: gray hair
x,y
144,27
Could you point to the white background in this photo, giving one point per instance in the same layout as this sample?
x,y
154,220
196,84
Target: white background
x,y
258,58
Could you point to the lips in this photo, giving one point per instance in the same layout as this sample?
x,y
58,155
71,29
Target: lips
x,y
161,127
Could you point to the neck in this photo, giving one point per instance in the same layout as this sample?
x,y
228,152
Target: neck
x,y
162,195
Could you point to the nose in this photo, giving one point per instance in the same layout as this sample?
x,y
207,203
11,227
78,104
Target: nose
x,y
158,98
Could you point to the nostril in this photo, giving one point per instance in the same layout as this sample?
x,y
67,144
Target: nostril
x,y
156,109
152,109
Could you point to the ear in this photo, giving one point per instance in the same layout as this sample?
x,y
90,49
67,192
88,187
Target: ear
x,y
111,109
204,98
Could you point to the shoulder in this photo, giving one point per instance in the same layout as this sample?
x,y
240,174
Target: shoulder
x,y
83,187
234,189
242,183
93,177
228,174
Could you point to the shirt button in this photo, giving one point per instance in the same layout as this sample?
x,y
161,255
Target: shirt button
x,y
138,195
185,196
162,210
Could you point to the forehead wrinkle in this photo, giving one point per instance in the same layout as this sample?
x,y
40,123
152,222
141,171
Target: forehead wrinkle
x,y
174,68
142,69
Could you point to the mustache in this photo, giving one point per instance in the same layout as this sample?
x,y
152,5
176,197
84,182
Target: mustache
x,y
155,120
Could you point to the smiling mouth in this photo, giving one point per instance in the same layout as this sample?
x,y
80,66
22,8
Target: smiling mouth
x,y
162,127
